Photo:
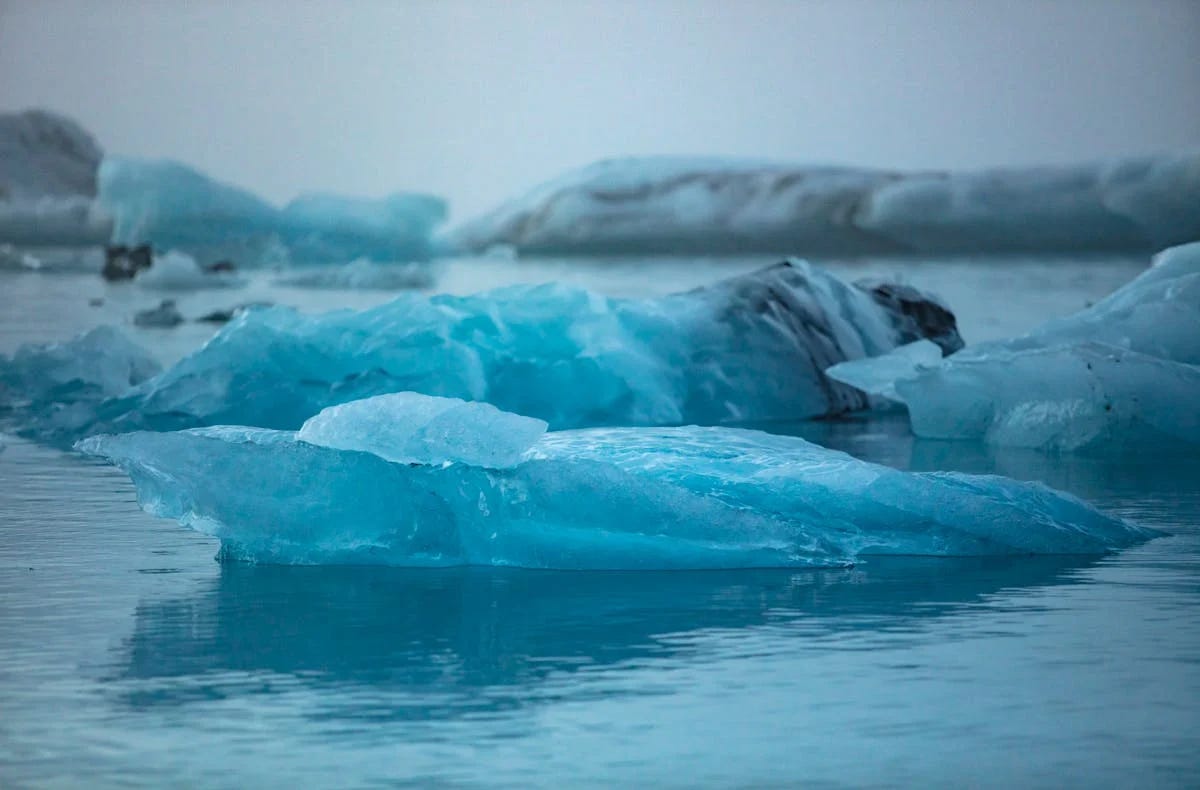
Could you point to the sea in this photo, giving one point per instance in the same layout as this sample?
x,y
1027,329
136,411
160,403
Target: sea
x,y
131,657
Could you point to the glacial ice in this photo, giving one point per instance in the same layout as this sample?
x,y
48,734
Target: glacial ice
x,y
1125,371
410,428
751,347
396,228
172,206
712,206
43,154
59,386
627,498
177,271
364,274
48,182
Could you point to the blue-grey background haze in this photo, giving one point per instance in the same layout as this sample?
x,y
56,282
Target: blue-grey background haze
x,y
478,100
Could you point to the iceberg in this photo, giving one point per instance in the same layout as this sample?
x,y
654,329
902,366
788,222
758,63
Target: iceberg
x,y
59,386
48,167
364,274
397,228
177,271
1125,371
604,498
171,206
753,347
410,428
43,154
714,206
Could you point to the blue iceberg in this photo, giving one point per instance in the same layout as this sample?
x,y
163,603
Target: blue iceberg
x,y
410,428
172,206
752,347
363,274
713,206
321,227
604,498
59,386
1125,371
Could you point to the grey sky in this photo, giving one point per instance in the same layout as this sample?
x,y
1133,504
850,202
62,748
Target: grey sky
x,y
477,100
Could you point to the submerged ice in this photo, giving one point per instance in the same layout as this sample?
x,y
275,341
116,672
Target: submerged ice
x,y
1124,371
617,498
750,348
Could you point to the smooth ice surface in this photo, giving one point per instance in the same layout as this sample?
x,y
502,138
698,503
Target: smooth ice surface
x,y
172,206
709,206
628,498
1122,371
407,427
751,347
880,377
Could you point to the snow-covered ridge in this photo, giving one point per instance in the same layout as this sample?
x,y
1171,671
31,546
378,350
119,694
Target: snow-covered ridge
x,y
712,206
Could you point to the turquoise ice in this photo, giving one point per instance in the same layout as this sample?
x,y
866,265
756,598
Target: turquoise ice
x,y
750,348
172,206
1125,371
605,498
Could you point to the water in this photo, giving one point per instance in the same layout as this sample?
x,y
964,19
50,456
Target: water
x,y
128,657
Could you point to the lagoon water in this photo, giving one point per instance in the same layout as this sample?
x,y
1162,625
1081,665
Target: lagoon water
x,y
130,657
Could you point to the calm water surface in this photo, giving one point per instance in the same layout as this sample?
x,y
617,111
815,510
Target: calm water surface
x,y
129,657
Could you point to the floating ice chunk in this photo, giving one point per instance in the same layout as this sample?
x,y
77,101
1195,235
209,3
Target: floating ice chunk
x,y
330,228
752,347
406,427
172,206
165,316
708,206
177,271
45,154
1069,397
1121,372
58,387
99,363
58,221
363,274
13,258
880,377
48,182
592,499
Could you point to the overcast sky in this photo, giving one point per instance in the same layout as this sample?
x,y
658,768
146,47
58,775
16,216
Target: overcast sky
x,y
477,100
